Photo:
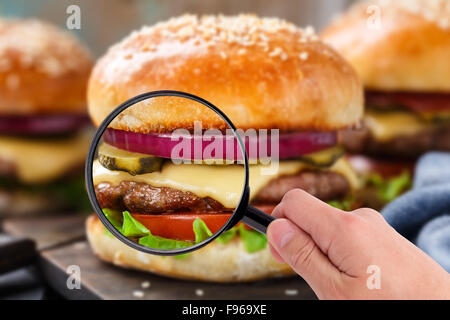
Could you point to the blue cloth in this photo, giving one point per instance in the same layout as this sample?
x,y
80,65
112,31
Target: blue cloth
x,y
423,214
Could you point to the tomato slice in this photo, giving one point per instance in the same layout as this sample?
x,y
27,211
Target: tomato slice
x,y
179,226
417,102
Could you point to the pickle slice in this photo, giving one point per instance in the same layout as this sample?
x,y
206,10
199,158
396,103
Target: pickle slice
x,y
113,158
324,158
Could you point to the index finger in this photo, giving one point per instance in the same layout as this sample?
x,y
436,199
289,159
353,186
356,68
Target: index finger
x,y
320,220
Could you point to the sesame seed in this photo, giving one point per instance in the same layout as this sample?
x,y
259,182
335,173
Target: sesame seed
x,y
291,292
242,51
31,39
277,51
304,56
138,294
309,31
444,23
245,30
199,292
435,11
145,285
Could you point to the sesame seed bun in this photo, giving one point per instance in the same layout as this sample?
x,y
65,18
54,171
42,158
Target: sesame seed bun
x,y
43,70
406,49
215,263
263,73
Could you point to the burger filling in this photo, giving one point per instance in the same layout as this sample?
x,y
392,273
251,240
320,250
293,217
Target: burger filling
x,y
37,161
402,124
172,204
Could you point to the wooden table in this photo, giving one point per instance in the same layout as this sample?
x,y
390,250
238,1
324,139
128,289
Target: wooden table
x,y
61,243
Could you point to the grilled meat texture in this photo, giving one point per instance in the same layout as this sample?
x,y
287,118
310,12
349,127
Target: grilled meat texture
x,y
143,198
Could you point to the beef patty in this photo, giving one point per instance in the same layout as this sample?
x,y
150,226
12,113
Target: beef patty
x,y
362,141
143,198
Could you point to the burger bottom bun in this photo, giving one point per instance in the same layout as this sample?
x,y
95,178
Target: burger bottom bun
x,y
215,263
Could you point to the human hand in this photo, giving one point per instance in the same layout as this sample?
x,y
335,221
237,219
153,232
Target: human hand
x,y
336,251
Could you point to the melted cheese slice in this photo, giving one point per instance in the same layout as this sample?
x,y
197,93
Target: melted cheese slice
x,y
43,160
385,126
221,183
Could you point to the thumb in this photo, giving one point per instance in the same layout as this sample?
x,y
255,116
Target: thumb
x,y
298,250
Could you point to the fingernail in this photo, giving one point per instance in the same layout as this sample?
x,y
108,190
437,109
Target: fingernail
x,y
282,232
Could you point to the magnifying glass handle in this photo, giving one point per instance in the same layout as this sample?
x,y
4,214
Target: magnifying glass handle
x,y
257,219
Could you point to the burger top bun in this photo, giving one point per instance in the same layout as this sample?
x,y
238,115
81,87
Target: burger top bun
x,y
262,72
43,70
396,45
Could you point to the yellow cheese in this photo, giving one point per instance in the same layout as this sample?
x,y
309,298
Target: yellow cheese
x,y
222,183
43,160
385,126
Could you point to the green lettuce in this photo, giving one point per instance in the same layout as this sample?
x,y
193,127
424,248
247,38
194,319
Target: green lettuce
x,y
114,217
201,230
133,228
253,240
345,204
389,189
161,243
227,236
130,227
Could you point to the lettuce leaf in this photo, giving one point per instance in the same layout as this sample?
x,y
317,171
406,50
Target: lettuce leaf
x,y
389,189
156,242
345,204
253,240
114,217
130,227
227,236
133,228
201,230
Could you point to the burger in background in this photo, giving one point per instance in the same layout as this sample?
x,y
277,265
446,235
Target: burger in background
x,y
401,50
43,121
263,74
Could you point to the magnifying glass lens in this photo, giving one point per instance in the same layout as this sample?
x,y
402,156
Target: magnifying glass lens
x,y
168,173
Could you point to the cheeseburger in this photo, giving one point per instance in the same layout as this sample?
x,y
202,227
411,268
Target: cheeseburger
x,y
43,80
263,74
401,50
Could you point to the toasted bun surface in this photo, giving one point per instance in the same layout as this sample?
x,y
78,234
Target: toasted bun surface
x,y
42,69
215,262
396,45
263,73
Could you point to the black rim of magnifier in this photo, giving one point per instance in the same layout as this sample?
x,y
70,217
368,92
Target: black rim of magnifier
x,y
235,217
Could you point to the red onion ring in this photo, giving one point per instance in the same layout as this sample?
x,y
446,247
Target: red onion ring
x,y
42,124
291,145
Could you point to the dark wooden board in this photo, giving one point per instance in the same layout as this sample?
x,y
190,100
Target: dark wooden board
x,y
103,281
61,242
47,231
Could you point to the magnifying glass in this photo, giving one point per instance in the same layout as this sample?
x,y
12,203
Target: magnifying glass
x,y
167,173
